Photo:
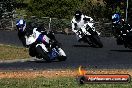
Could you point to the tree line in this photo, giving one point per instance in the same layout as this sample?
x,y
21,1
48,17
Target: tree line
x,y
65,8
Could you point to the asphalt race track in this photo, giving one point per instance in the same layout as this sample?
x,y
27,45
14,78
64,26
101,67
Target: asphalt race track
x,y
110,56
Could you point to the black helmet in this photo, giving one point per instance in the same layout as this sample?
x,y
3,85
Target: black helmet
x,y
78,15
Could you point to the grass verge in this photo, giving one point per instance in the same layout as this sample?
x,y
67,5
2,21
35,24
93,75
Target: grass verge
x,y
60,82
12,52
55,79
47,79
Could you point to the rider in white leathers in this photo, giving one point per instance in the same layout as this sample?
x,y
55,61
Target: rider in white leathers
x,y
38,34
39,37
78,21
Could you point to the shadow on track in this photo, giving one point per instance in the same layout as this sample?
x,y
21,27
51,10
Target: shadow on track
x,y
92,46
81,46
43,61
33,65
121,50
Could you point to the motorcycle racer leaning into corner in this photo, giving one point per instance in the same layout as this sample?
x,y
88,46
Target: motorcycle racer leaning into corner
x,y
119,25
25,31
116,23
78,22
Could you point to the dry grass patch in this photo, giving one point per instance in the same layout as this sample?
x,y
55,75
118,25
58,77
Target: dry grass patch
x,y
12,52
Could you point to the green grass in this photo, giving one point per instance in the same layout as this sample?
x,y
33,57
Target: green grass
x,y
61,82
12,52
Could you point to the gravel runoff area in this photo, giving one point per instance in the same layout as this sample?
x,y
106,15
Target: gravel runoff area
x,y
59,73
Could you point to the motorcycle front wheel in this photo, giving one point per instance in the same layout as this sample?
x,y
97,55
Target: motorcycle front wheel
x,y
96,40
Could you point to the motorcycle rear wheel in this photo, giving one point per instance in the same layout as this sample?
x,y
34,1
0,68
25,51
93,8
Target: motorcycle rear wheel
x,y
42,53
119,41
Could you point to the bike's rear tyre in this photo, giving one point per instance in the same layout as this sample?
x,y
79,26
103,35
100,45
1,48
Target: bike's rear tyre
x,y
32,50
119,41
42,53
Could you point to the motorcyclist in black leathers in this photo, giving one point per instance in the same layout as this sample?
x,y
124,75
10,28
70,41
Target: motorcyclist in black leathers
x,y
125,27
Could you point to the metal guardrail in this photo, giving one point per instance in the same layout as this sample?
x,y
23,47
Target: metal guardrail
x,y
54,24
6,24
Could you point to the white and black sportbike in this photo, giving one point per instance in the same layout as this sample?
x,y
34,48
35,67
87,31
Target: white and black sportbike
x,y
38,49
88,34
